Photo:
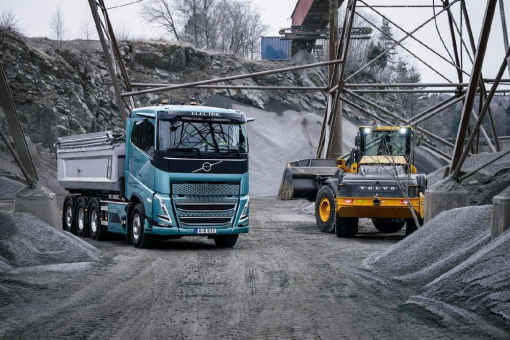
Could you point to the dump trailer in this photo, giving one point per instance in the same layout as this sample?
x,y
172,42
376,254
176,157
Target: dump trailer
x,y
377,180
177,170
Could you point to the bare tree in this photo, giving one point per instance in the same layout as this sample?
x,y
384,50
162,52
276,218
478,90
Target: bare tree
x,y
122,31
161,13
58,26
9,21
86,28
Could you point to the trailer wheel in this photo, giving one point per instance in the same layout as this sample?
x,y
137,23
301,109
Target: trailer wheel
x,y
388,225
325,209
346,227
411,225
81,217
68,221
96,230
139,237
225,241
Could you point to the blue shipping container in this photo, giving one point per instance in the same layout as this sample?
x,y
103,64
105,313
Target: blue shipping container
x,y
274,48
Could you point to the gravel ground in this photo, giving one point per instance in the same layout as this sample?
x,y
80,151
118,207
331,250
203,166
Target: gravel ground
x,y
27,241
9,187
284,280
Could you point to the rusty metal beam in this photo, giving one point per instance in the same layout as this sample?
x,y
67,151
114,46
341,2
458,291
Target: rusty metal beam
x,y
474,80
109,63
18,136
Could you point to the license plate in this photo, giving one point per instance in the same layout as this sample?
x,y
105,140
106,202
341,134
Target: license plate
x,y
205,231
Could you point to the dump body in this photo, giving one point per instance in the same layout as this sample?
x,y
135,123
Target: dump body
x,y
92,162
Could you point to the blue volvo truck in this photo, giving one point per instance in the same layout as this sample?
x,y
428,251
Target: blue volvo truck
x,y
177,170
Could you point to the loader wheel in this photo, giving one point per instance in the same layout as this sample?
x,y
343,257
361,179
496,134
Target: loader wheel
x,y
346,227
411,225
388,225
325,209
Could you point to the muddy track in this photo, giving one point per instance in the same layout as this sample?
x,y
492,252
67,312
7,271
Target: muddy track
x,y
284,280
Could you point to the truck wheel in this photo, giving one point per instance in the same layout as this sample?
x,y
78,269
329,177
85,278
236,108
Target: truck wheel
x,y
346,227
388,225
139,237
325,209
225,241
68,221
96,230
81,217
411,225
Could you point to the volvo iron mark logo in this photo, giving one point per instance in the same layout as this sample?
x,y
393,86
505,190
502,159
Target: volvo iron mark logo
x,y
207,166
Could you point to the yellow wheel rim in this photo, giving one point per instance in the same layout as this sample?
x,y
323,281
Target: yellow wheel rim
x,y
324,209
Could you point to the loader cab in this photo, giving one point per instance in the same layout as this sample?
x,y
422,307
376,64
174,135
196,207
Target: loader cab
x,y
385,141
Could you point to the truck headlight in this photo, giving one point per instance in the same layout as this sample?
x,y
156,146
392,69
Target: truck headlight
x,y
165,216
244,214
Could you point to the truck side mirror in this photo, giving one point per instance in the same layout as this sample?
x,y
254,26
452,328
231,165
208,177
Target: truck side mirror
x,y
250,119
357,141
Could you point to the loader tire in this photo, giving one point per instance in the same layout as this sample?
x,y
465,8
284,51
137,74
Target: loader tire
x,y
411,225
325,209
388,225
346,227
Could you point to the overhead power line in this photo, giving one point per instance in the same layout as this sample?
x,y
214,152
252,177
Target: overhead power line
x,y
130,3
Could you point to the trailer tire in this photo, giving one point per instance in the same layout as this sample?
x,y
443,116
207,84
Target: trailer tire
x,y
325,209
411,225
138,235
225,241
68,220
96,230
388,225
346,227
81,217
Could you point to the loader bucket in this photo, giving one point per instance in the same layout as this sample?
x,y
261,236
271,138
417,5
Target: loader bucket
x,y
300,178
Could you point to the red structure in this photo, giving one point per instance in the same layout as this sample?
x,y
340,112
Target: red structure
x,y
311,14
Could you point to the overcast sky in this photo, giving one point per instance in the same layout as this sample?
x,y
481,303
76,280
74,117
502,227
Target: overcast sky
x,y
35,16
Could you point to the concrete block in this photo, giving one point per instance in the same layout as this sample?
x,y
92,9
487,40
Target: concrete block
x,y
443,198
40,202
500,213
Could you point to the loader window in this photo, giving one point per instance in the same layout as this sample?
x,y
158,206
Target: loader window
x,y
379,143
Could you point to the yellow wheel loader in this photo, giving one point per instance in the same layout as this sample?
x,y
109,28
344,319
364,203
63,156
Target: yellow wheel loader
x,y
377,180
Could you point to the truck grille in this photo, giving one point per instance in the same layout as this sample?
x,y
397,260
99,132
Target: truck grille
x,y
205,204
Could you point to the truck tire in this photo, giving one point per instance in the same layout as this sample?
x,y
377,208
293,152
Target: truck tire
x,y
96,230
346,227
138,235
225,241
81,217
411,225
68,220
325,209
388,225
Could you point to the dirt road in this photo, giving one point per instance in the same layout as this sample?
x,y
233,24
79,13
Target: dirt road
x,y
283,280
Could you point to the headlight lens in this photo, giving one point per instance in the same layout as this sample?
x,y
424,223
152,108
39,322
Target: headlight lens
x,y
244,214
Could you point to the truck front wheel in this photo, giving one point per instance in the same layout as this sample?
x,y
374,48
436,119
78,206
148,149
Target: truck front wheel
x,y
138,235
225,241
325,209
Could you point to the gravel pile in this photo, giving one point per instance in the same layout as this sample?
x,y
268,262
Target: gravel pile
x,y
439,246
9,187
26,241
479,285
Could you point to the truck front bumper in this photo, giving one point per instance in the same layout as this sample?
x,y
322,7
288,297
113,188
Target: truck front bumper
x,y
155,230
386,207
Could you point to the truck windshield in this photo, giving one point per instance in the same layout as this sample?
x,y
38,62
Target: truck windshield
x,y
393,143
202,136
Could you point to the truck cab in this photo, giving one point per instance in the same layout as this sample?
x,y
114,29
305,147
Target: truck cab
x,y
188,167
